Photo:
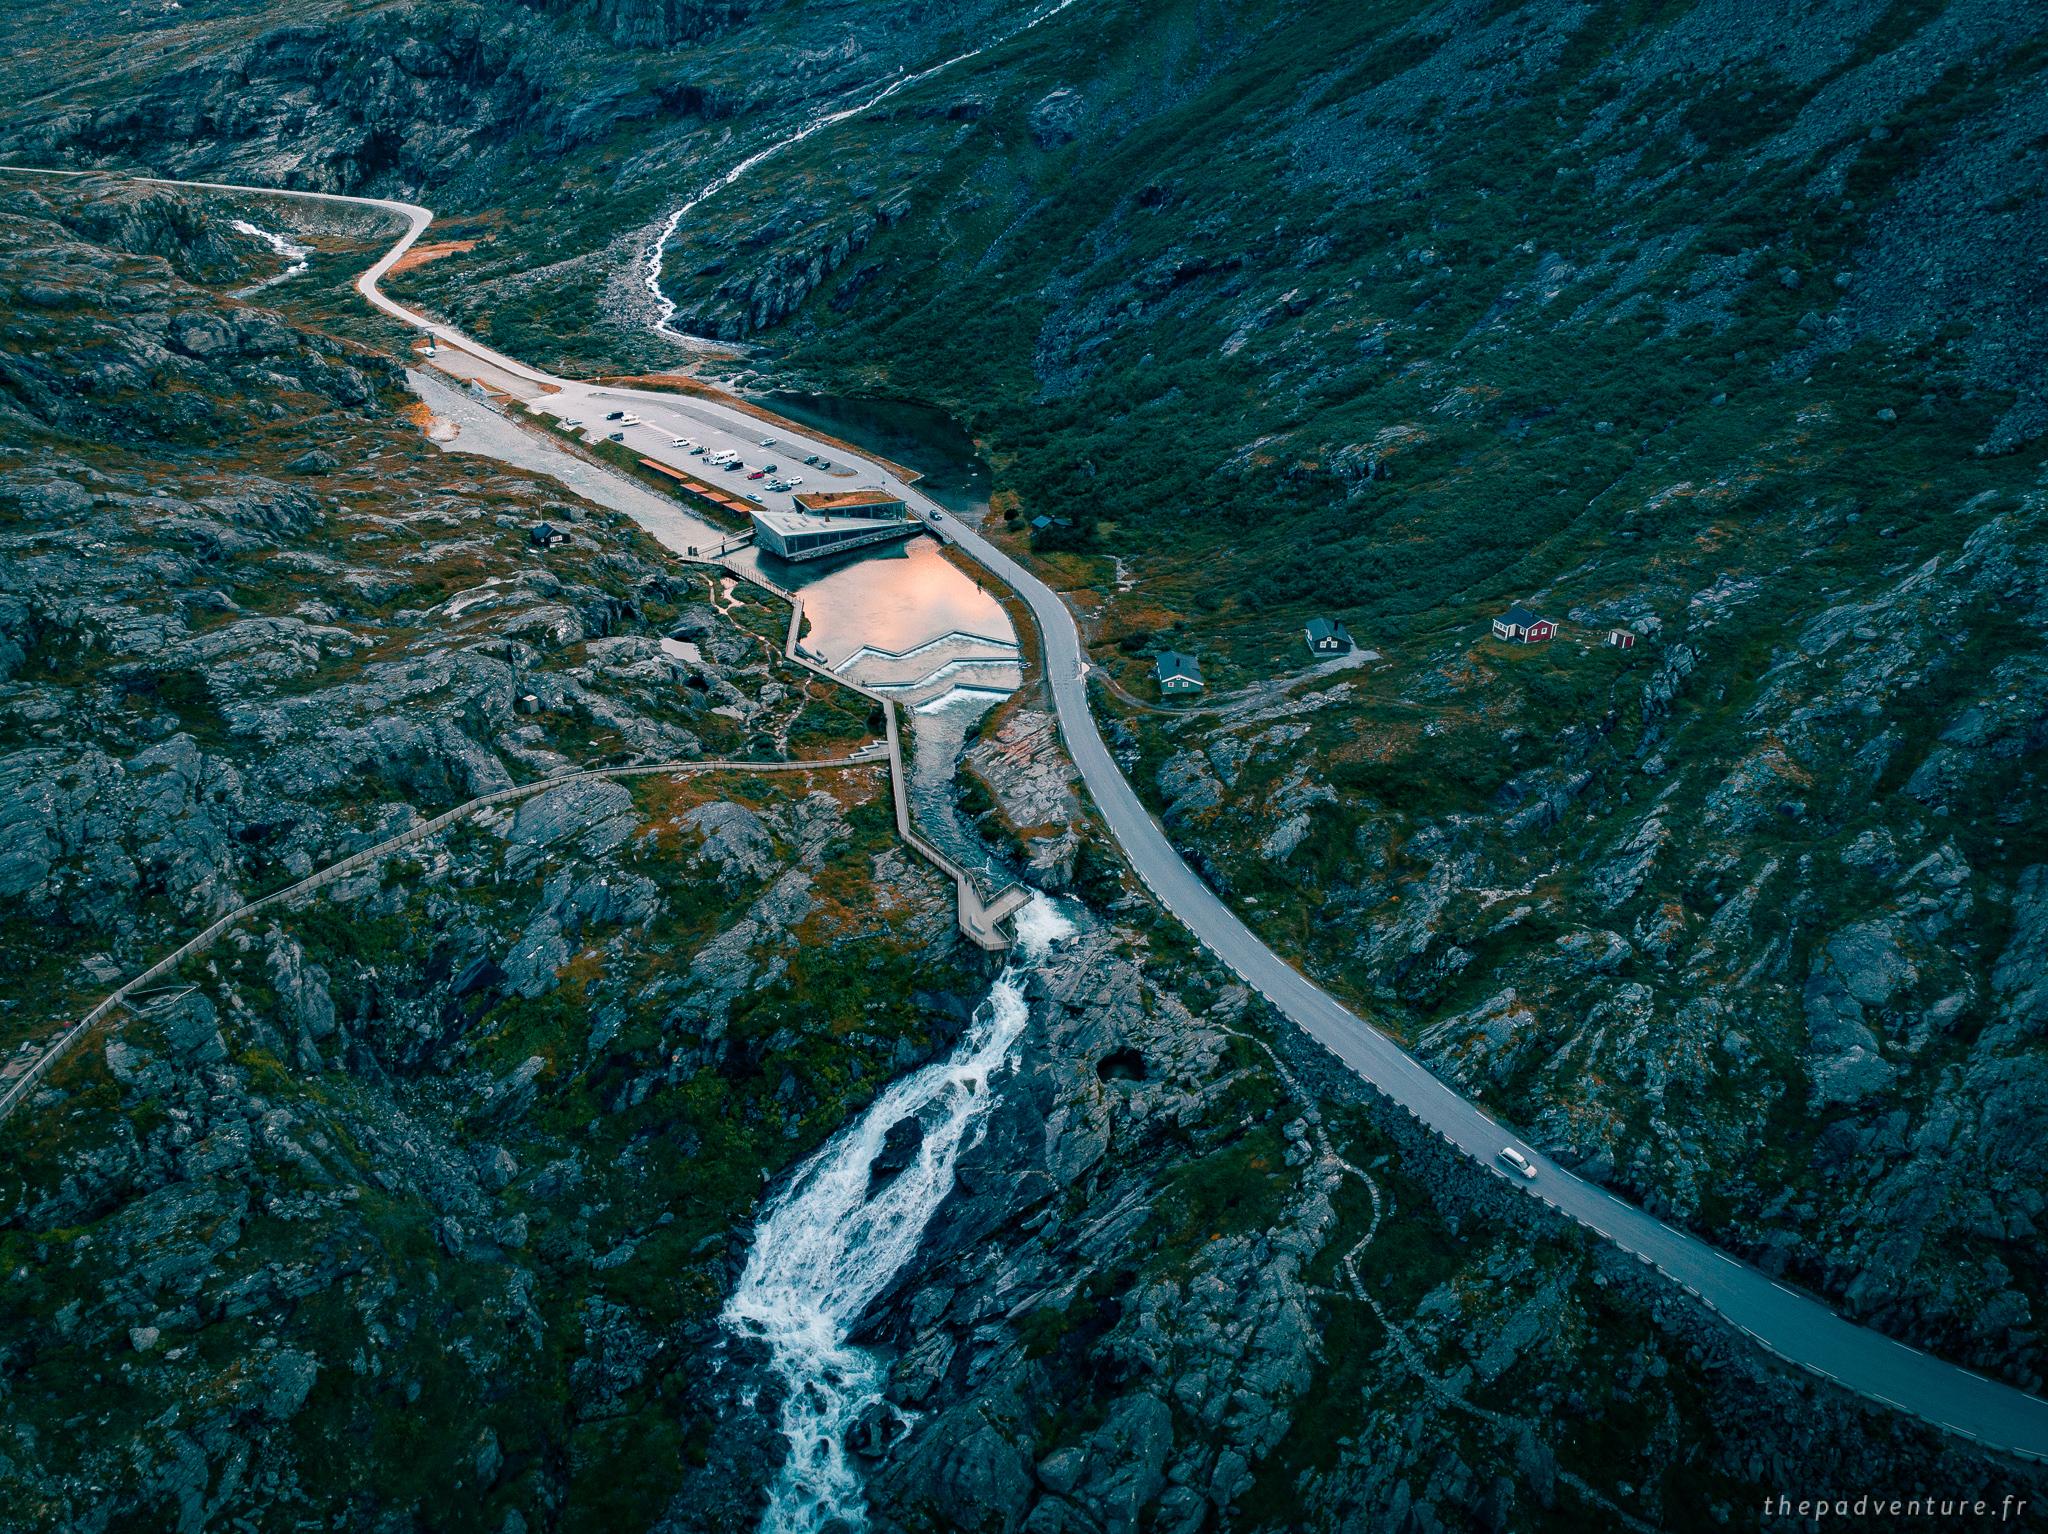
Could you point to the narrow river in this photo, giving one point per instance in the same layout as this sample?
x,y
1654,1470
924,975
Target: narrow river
x,y
830,1241
657,251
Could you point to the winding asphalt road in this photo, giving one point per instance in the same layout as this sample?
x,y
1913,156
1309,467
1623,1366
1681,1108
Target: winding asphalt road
x,y
1789,1324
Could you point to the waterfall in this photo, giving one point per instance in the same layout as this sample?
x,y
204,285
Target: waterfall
x,y
656,251
290,251
823,1249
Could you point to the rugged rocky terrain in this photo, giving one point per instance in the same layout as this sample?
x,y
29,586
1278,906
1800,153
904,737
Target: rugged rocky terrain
x,y
1188,1282
1674,322
385,1194
415,1209
550,136
1749,924
253,619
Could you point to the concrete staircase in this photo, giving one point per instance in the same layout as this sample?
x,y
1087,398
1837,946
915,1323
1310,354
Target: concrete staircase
x,y
933,669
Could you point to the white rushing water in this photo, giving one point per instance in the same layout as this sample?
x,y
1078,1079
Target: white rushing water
x,y
823,1250
658,250
294,255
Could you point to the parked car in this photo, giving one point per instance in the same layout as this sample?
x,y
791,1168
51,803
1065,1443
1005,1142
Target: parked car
x,y
630,419
813,458
767,442
758,474
1518,1161
616,415
678,441
796,479
618,436
696,452
769,467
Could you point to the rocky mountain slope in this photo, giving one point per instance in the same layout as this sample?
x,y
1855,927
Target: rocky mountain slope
x,y
1675,321
1750,927
1671,319
385,1194
548,135
1195,1278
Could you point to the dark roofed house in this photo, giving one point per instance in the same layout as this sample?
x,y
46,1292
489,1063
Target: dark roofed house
x,y
1326,636
1177,673
1521,626
546,535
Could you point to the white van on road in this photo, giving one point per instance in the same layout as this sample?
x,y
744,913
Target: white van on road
x,y
1518,1161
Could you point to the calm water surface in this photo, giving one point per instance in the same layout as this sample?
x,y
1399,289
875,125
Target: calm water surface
x,y
920,437
893,597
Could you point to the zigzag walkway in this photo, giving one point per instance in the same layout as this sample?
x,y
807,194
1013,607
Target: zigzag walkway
x,y
1777,1318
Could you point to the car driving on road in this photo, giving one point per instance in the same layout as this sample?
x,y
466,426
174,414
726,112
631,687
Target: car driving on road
x,y
1518,1161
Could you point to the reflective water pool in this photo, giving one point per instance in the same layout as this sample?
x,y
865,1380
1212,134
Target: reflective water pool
x,y
893,598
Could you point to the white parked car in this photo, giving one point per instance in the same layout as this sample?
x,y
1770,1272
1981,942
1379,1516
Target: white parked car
x,y
767,442
1518,1161
796,479
678,441
629,419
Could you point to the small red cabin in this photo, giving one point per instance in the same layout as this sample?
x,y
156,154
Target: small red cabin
x,y
1521,626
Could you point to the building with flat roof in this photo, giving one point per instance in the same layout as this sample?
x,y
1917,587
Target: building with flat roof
x,y
851,503
797,535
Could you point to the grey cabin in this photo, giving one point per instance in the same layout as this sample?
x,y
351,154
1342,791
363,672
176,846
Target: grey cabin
x,y
1177,673
1326,636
